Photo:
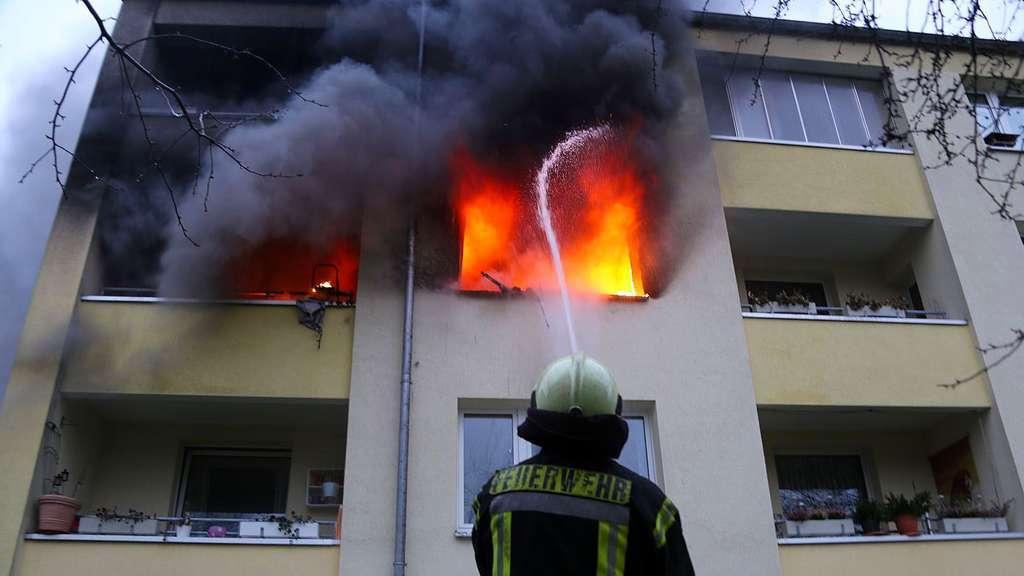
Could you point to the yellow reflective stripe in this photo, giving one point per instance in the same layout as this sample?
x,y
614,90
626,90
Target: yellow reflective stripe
x,y
621,539
663,521
501,544
562,480
611,548
602,548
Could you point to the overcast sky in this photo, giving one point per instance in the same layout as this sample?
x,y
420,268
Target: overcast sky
x,y
39,37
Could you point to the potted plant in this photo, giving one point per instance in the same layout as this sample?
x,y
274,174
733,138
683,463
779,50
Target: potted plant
x,y
870,515
858,304
783,302
110,521
818,521
184,528
279,526
57,511
906,512
972,515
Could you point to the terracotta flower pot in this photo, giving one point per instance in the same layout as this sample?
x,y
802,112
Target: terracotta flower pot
x,y
57,513
906,524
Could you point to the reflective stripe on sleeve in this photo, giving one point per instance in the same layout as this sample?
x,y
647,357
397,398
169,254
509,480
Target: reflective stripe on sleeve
x,y
663,521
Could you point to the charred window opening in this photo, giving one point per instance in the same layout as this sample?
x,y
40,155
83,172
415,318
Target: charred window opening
x,y
214,78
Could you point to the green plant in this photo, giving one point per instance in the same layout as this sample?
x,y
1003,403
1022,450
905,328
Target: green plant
x,y
868,511
286,523
112,515
898,504
786,298
859,300
759,298
976,507
803,513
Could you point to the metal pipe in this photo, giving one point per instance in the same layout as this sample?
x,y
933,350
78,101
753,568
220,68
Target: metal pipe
x,y
402,486
402,481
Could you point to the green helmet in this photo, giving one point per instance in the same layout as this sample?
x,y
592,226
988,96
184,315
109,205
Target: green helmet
x,y
577,384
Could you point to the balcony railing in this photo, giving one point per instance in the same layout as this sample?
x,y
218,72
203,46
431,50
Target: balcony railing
x,y
843,312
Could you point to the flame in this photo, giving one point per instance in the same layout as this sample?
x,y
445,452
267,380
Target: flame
x,y
599,206
325,285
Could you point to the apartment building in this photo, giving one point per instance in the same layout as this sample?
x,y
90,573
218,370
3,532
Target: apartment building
x,y
743,405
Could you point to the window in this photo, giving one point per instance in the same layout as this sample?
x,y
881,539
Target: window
x,y
820,480
488,442
999,115
234,483
792,107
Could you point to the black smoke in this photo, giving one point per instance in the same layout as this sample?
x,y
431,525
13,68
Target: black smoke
x,y
506,78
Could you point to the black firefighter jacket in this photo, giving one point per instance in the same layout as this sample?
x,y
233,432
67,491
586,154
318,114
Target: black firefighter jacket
x,y
557,514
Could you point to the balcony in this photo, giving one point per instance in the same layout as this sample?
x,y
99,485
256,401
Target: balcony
x,y
803,282
772,176
841,456
232,467
149,347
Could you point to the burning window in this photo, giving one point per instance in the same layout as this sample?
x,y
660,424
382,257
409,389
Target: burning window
x,y
597,205
283,269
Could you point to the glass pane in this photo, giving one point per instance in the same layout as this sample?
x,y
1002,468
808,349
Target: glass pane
x,y
747,105
875,113
847,114
778,95
487,446
983,113
634,453
1011,117
820,481
716,100
810,92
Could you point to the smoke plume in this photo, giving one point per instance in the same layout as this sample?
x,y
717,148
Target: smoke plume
x,y
503,79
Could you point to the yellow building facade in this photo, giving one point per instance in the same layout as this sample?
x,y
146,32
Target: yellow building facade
x,y
741,407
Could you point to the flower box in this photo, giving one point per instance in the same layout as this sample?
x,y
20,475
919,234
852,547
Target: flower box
x,y
776,308
94,525
882,312
262,529
972,525
843,527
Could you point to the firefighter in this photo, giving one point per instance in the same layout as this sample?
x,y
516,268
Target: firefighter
x,y
572,509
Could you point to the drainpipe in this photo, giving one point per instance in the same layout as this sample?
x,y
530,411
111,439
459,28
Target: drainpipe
x,y
402,486
402,483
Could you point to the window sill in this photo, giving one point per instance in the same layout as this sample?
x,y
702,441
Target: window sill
x,y
1014,150
242,302
895,538
814,145
176,540
873,319
464,532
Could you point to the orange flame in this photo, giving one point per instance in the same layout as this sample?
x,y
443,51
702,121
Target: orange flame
x,y
287,269
600,203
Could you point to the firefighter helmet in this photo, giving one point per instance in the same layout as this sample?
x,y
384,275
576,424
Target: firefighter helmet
x,y
577,384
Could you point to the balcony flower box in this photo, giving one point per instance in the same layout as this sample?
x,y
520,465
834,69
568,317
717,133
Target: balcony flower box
x,y
972,525
881,312
809,528
272,529
776,308
94,525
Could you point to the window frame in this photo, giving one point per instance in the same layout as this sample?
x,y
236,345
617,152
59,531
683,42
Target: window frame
x,y
738,128
190,452
994,105
521,450
867,469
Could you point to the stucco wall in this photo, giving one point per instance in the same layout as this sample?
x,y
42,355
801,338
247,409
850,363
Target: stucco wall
x,y
977,558
835,363
207,349
106,558
806,179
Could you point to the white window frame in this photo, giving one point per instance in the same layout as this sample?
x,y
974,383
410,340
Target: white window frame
x,y
522,450
738,129
994,107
